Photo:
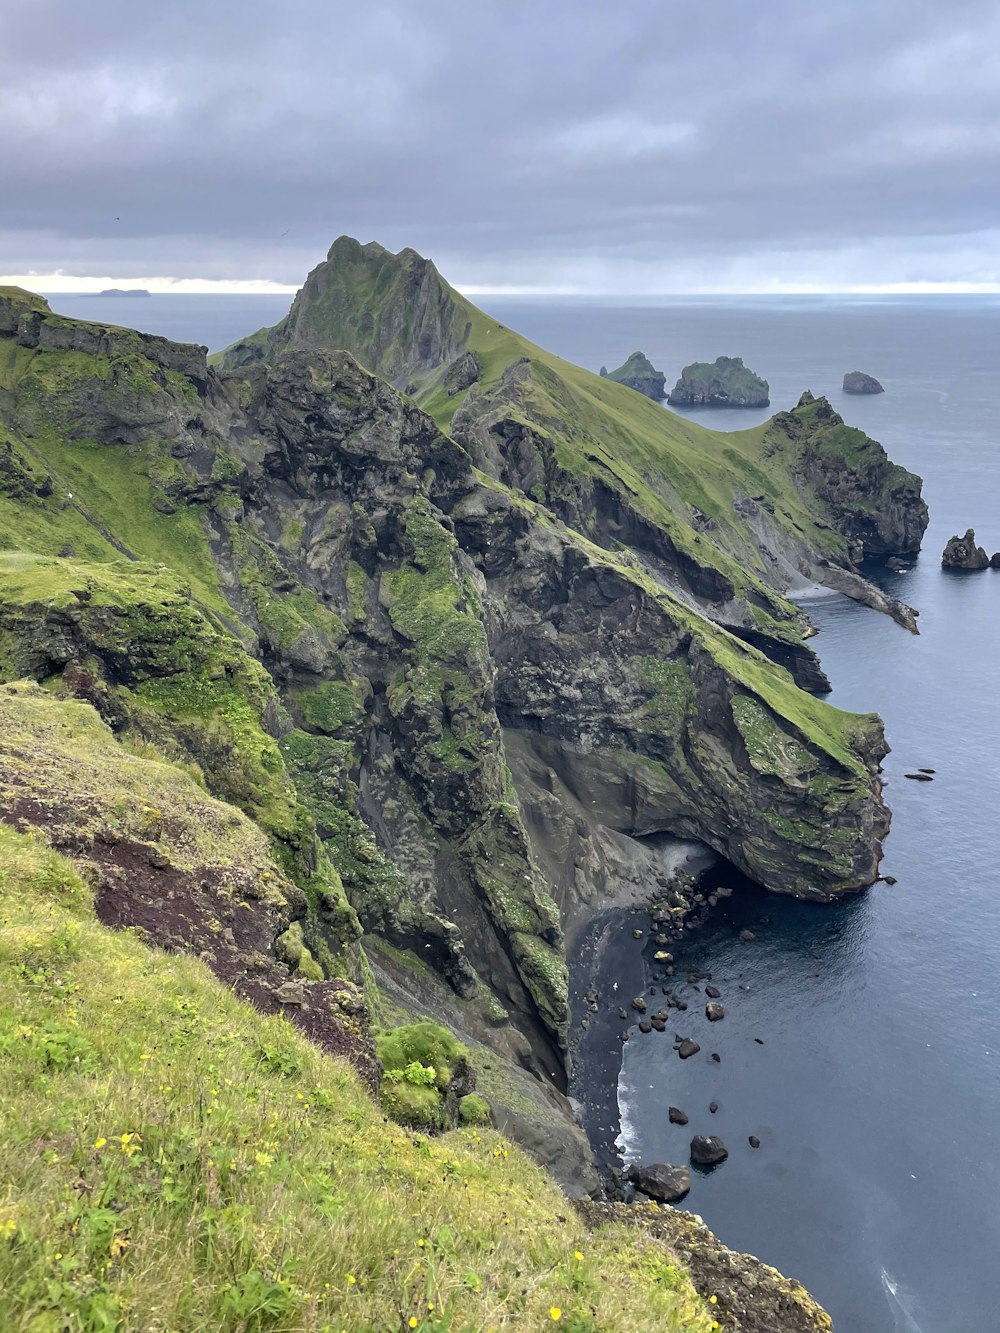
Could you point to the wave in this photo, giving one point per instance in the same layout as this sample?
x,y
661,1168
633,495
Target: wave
x,y
900,1303
627,1141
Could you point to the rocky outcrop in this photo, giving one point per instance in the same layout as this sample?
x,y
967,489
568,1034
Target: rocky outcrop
x,y
963,553
750,1297
876,504
724,382
640,374
667,1184
856,381
463,372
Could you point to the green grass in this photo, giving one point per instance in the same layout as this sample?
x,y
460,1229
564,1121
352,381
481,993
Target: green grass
x,y
173,1160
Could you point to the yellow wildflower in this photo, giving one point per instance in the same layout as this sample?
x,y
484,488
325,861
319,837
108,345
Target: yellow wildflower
x,y
99,1143
414,1321
713,1300
577,1254
555,1313
351,1279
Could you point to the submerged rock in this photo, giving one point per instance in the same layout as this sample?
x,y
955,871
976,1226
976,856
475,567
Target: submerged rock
x,y
856,381
963,553
708,1150
687,1048
640,374
660,1181
725,382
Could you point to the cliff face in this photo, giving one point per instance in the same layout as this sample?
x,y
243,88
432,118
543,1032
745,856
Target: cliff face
x,y
724,382
421,659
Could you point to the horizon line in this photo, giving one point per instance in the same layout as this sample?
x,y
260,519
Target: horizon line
x,y
61,284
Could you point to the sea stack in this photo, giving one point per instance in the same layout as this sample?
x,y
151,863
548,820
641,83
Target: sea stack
x,y
640,374
725,382
963,553
856,381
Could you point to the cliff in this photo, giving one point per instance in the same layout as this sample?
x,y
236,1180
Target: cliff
x,y
724,382
403,645
640,374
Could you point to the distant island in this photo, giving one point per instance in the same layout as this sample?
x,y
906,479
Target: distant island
x,y
726,382
856,381
640,374
120,291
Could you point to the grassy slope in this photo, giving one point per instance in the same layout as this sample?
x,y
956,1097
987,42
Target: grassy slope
x,y
102,500
172,1160
663,462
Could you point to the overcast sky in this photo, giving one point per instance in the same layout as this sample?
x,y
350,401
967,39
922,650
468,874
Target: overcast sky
x,y
638,147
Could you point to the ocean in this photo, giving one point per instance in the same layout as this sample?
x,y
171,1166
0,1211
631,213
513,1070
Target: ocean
x,y
876,1093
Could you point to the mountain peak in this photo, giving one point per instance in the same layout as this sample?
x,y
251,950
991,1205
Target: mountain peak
x,y
393,312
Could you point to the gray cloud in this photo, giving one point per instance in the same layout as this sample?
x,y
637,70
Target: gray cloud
x,y
645,146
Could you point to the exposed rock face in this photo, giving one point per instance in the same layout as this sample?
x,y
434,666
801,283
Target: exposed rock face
x,y
845,469
963,553
856,381
750,1296
463,372
668,1184
724,382
640,374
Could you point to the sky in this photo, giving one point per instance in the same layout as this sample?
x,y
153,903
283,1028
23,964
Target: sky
x,y
644,147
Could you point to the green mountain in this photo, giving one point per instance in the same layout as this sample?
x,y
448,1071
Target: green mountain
x,y
369,701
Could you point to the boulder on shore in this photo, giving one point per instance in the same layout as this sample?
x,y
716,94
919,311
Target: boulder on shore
x,y
665,1183
640,374
725,382
963,553
856,381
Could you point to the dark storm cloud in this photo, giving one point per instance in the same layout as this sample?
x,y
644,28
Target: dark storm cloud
x,y
611,145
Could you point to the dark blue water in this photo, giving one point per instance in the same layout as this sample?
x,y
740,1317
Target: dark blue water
x,y
876,1095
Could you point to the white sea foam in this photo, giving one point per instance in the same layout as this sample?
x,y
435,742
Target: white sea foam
x,y
900,1303
627,1141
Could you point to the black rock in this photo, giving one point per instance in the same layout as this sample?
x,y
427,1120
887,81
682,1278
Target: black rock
x,y
658,1024
713,1107
918,777
622,1013
717,1057
676,1116
963,553
707,1150
753,1141
687,1048
712,992
665,1183
926,770
856,381
645,1026
889,879
639,1003
759,1041
714,1011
